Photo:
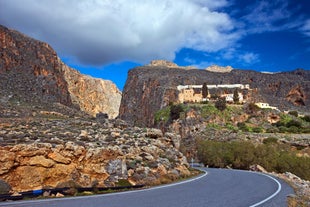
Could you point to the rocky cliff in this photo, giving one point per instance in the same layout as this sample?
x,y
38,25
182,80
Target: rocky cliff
x,y
30,71
151,88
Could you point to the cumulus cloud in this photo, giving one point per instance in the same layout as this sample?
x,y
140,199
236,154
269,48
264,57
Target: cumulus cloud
x,y
103,31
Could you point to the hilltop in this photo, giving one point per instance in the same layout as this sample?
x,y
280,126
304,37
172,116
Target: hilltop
x,y
152,87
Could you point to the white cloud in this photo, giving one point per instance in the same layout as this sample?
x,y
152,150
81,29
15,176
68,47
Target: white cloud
x,y
249,58
268,16
104,31
306,28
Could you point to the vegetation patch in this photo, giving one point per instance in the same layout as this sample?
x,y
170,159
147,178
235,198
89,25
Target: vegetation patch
x,y
272,156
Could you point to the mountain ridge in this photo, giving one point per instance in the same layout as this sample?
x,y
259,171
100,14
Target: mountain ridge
x,y
150,88
31,71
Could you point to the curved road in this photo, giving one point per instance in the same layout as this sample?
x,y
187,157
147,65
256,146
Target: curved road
x,y
216,188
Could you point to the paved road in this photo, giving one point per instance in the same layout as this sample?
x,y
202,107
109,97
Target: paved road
x,y
217,188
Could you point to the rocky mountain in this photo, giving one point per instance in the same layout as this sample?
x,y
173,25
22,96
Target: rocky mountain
x,y
31,72
56,128
152,87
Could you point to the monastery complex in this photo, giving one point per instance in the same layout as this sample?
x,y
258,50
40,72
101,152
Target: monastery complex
x,y
193,93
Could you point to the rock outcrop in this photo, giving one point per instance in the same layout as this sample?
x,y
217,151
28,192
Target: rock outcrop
x,y
168,64
93,95
30,71
151,88
219,69
44,153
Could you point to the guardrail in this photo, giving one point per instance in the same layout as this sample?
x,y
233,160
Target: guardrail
x,y
36,193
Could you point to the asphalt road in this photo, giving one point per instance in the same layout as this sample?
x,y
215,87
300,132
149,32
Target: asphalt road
x,y
217,188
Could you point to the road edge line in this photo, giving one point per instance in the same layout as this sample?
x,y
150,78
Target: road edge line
x,y
105,195
273,195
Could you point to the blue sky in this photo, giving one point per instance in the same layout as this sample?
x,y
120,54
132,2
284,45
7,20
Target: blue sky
x,y
106,38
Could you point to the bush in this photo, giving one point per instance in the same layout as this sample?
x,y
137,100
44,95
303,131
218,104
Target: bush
x,y
272,130
257,130
272,156
293,123
306,118
243,127
123,183
220,104
251,108
162,115
293,113
175,111
283,129
270,140
293,129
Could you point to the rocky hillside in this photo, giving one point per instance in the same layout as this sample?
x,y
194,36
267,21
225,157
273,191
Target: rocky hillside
x,y
52,150
152,87
30,71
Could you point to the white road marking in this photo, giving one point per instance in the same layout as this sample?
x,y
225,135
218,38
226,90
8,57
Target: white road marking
x,y
19,203
137,191
273,195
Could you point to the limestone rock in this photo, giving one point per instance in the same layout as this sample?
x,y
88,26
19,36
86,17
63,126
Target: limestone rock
x,y
41,161
139,155
92,95
296,96
219,69
164,63
6,161
258,168
59,158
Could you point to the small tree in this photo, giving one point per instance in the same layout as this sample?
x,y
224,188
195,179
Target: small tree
x,y
205,92
175,111
220,104
236,96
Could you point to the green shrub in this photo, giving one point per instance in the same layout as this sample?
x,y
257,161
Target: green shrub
x,y
283,129
270,140
175,111
220,104
306,118
257,129
293,113
293,129
122,183
293,123
242,154
272,130
243,127
251,108
162,115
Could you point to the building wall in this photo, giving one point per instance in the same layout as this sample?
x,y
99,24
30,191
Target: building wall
x,y
193,93
189,95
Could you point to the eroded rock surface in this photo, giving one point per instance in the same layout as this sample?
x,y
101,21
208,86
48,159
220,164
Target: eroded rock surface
x,y
41,153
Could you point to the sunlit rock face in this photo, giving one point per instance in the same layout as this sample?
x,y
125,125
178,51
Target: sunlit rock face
x,y
31,71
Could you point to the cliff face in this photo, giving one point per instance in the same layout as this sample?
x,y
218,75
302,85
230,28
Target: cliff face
x,y
92,95
151,88
30,71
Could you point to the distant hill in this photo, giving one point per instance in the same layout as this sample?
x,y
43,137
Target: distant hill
x,y
31,72
152,87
